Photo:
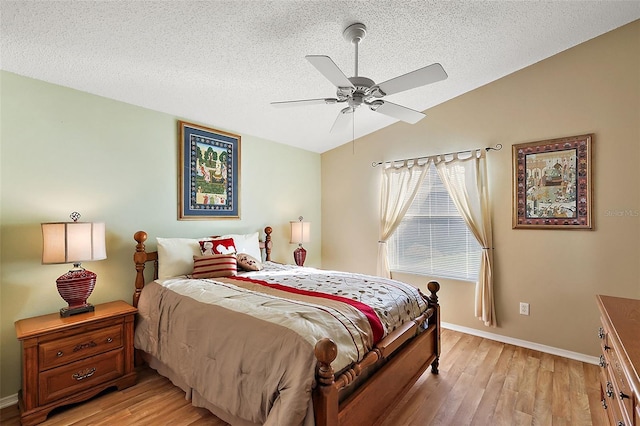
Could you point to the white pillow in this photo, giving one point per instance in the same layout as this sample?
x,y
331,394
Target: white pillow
x,y
246,243
175,255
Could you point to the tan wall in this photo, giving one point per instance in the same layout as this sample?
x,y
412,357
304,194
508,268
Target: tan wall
x,y
64,150
592,88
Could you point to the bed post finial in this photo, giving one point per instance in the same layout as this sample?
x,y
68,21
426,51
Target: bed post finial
x,y
433,287
139,258
326,352
267,243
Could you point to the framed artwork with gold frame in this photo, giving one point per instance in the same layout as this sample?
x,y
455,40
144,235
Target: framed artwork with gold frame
x,y
552,183
209,173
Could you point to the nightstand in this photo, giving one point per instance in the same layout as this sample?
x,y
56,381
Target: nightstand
x,y
68,360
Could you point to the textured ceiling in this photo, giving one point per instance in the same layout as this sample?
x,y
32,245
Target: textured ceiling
x,y
221,63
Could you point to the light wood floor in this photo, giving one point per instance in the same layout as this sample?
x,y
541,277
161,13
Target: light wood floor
x,y
481,382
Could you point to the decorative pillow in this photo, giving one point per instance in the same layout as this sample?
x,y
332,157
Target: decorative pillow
x,y
246,243
217,265
175,256
221,246
249,263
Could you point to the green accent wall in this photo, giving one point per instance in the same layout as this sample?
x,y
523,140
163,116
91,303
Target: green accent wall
x,y
64,150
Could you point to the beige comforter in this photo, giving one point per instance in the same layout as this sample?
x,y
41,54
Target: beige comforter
x,y
246,345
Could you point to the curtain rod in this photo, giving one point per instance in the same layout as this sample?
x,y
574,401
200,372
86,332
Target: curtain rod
x,y
498,147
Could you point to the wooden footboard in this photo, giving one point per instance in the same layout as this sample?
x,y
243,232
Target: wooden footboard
x,y
364,393
390,369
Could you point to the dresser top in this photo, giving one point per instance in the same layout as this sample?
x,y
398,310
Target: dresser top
x,y
31,327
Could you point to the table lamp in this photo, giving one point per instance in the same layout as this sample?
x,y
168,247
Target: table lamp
x,y
74,242
300,233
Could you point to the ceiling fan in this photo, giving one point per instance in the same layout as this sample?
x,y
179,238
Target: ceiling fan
x,y
358,90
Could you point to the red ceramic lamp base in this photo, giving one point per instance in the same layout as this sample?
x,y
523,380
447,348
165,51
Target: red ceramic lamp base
x,y
75,287
299,255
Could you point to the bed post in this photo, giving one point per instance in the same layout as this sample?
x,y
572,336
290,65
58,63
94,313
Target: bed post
x,y
267,243
433,287
140,258
325,395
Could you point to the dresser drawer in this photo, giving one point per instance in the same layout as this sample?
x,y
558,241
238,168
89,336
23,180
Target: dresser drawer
x,y
617,374
63,351
69,379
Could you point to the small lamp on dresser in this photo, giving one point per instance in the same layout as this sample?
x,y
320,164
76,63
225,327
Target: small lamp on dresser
x,y
300,233
74,242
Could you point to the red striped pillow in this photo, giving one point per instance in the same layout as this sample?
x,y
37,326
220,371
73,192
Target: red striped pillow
x,y
217,265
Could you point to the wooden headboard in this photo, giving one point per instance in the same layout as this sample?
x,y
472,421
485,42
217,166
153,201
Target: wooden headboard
x,y
142,256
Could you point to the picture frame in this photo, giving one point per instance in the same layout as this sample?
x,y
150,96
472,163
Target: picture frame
x,y
209,176
552,184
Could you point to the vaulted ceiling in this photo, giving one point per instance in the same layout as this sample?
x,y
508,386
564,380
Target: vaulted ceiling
x,y
221,63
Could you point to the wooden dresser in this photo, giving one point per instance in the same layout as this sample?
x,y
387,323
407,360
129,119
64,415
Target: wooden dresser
x,y
68,360
620,359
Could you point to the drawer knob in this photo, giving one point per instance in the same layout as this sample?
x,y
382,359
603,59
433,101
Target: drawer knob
x,y
109,340
601,333
602,362
607,348
604,403
620,424
81,375
59,354
623,395
609,391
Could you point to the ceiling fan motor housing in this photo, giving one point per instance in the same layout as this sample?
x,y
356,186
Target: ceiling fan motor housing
x,y
360,93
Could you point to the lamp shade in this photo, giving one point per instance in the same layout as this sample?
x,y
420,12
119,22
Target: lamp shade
x,y
300,232
73,242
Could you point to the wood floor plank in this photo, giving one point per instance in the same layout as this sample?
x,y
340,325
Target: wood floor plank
x,y
481,382
560,394
527,386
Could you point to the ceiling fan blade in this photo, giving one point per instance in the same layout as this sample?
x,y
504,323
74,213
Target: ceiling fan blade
x,y
330,70
397,111
420,77
342,119
303,102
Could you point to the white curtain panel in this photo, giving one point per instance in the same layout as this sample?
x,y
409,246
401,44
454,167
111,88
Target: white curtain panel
x,y
400,183
466,182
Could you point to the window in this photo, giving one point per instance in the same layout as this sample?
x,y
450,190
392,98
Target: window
x,y
432,238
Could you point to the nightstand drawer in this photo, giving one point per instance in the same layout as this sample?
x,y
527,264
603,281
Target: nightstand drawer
x,y
81,375
73,348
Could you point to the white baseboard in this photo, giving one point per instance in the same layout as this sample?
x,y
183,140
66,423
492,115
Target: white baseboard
x,y
8,401
523,343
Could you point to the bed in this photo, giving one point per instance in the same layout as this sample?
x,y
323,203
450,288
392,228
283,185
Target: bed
x,y
279,344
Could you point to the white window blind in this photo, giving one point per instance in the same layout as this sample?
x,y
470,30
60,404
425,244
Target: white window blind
x,y
433,239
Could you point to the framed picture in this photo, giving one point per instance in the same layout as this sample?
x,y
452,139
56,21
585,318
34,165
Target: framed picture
x,y
209,173
552,183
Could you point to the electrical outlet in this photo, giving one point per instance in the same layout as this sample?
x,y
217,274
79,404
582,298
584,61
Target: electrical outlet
x,y
524,308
